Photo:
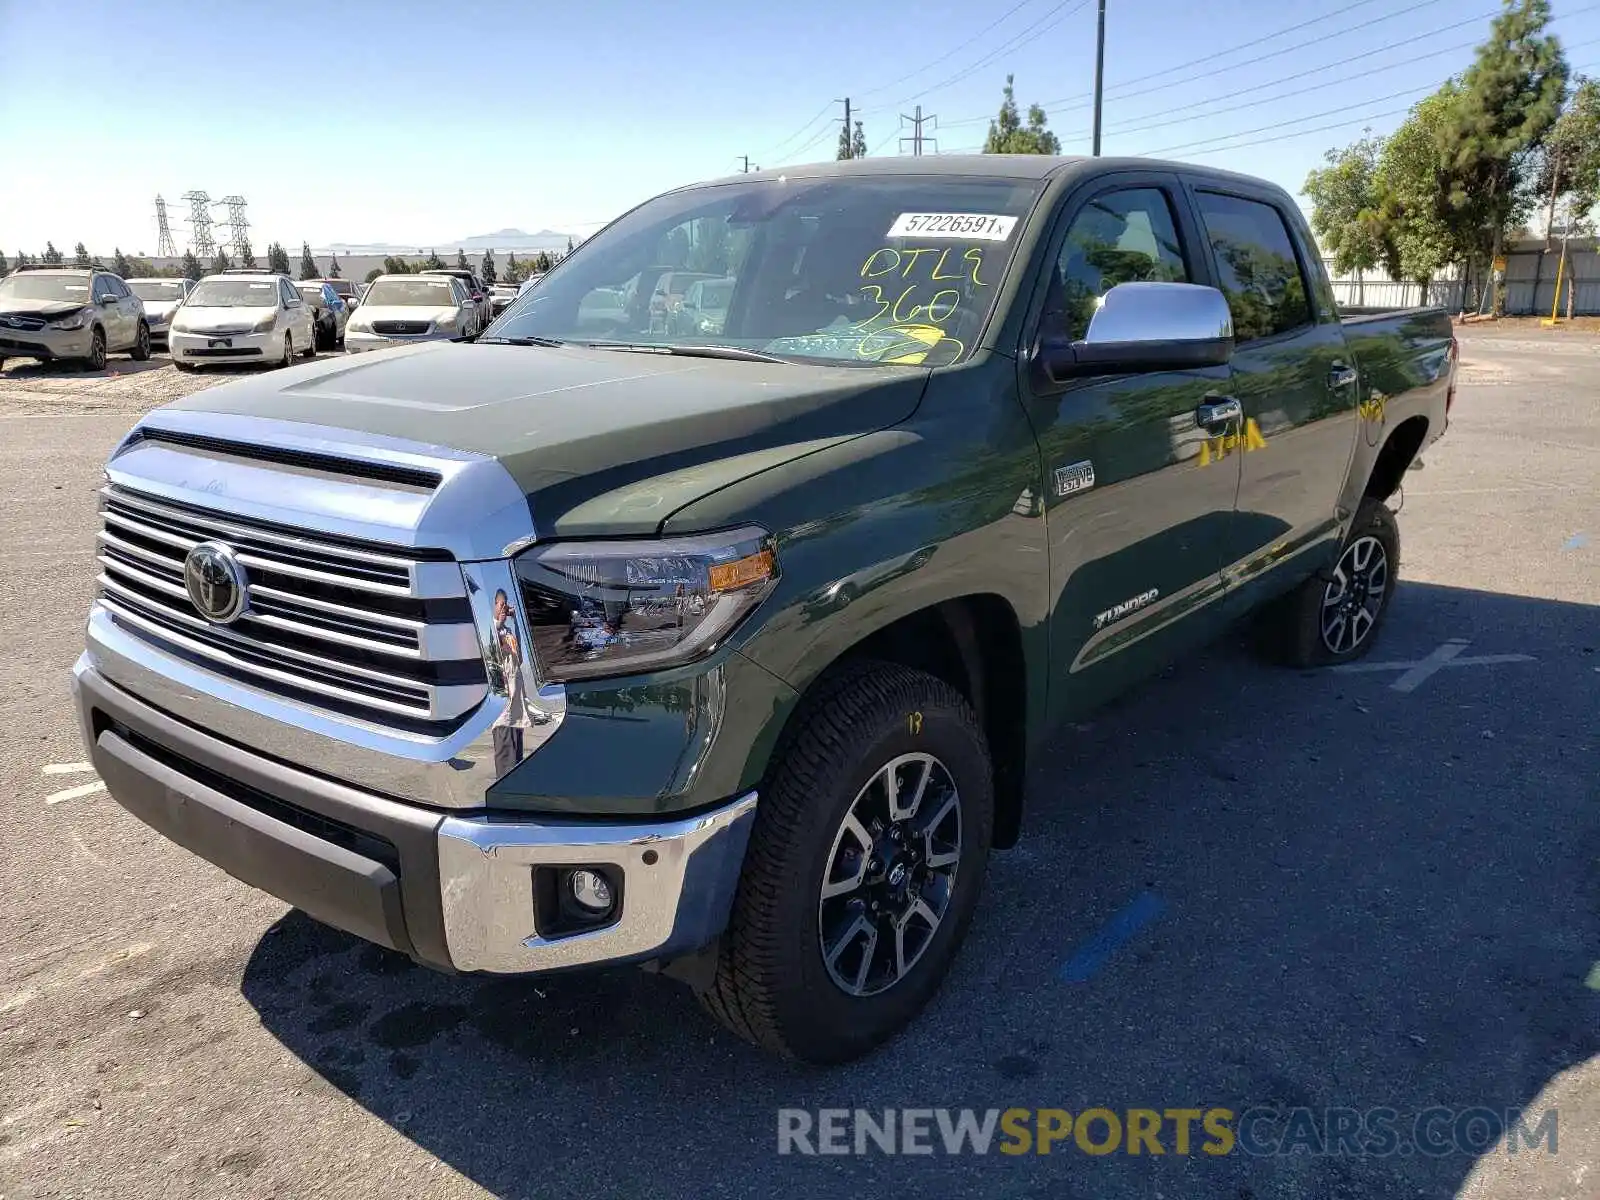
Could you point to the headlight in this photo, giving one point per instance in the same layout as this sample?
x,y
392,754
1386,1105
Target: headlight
x,y
266,323
597,609
72,320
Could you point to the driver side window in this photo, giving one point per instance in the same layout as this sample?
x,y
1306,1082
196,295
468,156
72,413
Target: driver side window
x,y
1119,237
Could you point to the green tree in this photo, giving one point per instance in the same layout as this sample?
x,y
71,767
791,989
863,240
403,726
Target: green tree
x,y
277,259
120,264
221,262
486,268
52,256
432,263
569,245
4,267
858,142
1007,134
247,257
374,273
22,259
396,266
514,269
1345,209
80,256
308,265
543,263
333,267
1569,170
710,252
139,268
1420,238
1510,97
461,260
192,268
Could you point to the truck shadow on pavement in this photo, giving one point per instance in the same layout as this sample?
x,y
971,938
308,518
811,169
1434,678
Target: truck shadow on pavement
x,y
1368,897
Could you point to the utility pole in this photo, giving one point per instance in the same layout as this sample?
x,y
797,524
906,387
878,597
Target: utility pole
x,y
845,144
1099,74
916,139
747,167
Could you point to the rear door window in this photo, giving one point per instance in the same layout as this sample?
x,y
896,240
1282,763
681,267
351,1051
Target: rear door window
x,y
1257,267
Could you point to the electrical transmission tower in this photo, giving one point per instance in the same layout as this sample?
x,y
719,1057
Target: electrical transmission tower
x,y
165,246
238,225
200,240
917,139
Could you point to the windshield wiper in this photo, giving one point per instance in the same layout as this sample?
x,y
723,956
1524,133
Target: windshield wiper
x,y
522,341
731,352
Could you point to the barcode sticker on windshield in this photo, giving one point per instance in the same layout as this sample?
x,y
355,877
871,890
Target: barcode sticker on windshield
x,y
983,227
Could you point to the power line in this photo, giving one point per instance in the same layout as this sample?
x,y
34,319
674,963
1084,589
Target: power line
x,y
775,149
1052,17
949,54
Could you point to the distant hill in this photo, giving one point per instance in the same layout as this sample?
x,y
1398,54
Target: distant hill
x,y
501,239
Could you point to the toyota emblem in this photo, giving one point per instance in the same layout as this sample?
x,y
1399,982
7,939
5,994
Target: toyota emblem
x,y
215,582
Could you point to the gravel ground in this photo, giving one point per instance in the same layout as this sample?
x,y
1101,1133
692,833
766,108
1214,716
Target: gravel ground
x,y
28,388
1362,897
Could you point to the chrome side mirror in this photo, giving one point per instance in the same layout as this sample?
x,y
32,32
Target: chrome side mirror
x,y
1145,327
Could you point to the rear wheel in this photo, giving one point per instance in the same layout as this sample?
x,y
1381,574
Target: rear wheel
x,y
1334,616
288,350
863,870
312,344
141,344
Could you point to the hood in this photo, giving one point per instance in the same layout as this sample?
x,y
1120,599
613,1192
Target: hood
x,y
602,442
48,309
405,312
160,309
236,317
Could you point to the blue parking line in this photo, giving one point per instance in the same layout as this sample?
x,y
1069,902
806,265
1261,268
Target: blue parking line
x,y
1111,937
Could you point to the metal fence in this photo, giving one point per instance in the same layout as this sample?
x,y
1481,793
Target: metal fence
x,y
1530,283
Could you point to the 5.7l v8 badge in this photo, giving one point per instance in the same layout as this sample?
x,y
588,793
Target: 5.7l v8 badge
x,y
1076,477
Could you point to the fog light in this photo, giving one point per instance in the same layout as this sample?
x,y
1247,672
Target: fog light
x,y
590,889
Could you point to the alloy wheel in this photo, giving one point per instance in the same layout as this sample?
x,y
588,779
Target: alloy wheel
x,y
890,874
1354,596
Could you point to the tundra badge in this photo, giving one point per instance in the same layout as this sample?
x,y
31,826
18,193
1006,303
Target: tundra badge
x,y
1078,477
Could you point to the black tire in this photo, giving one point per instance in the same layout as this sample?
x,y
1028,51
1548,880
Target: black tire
x,y
140,351
288,351
181,365
1296,630
772,985
96,360
311,350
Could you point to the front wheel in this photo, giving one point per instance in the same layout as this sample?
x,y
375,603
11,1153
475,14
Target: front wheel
x,y
96,360
141,344
1334,616
863,870
288,350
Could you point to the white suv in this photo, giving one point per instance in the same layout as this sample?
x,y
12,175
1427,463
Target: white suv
x,y
242,318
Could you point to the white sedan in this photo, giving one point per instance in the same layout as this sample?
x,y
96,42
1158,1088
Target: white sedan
x,y
161,300
409,308
242,318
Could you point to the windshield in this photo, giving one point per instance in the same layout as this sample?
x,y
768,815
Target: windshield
x,y
433,293
28,286
234,293
863,270
158,290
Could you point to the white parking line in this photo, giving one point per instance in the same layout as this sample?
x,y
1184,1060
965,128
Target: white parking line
x,y
1447,655
67,768
86,789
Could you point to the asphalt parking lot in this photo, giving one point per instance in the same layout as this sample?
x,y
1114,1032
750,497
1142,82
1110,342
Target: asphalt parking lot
x,y
1239,887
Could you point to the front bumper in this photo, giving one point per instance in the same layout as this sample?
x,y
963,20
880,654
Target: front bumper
x,y
456,892
46,343
224,347
355,341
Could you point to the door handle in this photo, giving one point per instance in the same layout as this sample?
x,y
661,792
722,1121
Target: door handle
x,y
1342,375
1217,410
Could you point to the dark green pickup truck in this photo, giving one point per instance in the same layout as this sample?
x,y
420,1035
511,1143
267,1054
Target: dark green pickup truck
x,y
720,643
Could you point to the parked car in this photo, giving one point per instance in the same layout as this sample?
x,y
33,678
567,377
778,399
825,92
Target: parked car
x,y
704,309
482,306
411,308
161,297
346,289
82,314
242,317
330,314
730,654
666,297
531,281
501,295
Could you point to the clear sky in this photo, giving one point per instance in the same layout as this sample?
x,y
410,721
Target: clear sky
x,y
423,123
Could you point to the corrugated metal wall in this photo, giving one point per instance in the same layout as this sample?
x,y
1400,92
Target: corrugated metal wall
x,y
1530,283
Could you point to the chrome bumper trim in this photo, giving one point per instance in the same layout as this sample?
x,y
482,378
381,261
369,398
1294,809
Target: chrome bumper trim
x,y
673,904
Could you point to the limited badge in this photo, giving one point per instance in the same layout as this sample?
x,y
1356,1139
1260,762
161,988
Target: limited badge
x,y
1078,477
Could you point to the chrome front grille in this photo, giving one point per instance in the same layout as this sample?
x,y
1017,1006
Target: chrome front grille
x,y
378,632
